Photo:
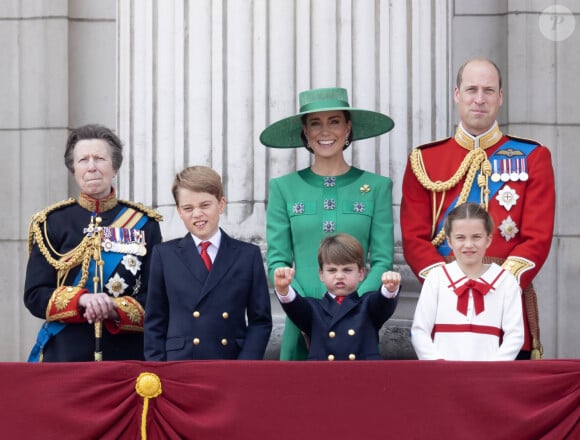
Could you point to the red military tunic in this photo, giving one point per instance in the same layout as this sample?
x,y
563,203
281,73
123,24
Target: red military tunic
x,y
522,234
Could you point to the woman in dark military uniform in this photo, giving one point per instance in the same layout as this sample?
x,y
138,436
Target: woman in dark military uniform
x,y
89,260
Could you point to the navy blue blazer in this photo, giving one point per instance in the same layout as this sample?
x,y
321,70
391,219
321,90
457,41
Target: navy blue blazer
x,y
195,314
346,331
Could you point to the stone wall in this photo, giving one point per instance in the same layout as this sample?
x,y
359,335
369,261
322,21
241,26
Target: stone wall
x,y
57,70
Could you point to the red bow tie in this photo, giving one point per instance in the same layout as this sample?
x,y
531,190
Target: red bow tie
x,y
479,290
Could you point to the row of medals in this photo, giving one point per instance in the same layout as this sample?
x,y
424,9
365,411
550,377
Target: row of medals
x,y
513,169
134,243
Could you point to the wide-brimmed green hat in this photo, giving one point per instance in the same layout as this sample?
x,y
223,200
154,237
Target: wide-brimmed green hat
x,y
285,133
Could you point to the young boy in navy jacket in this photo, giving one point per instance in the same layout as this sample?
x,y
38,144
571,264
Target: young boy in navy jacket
x,y
342,325
208,294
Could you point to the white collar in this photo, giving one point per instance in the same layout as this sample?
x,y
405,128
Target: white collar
x,y
215,239
457,274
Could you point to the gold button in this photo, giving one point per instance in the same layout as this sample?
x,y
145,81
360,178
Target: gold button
x,y
196,314
69,289
196,341
331,334
225,315
351,332
224,342
330,357
351,357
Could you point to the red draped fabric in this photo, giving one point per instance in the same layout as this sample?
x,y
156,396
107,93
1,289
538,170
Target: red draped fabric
x,y
294,400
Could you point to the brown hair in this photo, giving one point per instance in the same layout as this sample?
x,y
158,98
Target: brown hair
x,y
198,178
468,210
340,249
459,79
94,131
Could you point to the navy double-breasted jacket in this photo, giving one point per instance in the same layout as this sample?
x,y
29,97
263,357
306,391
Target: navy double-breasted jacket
x,y
195,314
346,331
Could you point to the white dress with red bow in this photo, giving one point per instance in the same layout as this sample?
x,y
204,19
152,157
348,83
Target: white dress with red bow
x,y
458,318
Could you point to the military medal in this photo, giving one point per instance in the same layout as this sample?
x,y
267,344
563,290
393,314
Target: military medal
x,y
131,263
507,197
508,228
124,241
523,175
504,176
495,176
514,176
116,285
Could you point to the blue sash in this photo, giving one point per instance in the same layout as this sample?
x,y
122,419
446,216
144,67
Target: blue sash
x,y
475,193
111,261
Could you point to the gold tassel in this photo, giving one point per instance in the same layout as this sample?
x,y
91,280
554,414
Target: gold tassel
x,y
537,350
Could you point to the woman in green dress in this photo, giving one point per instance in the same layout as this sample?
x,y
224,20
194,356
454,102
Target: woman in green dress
x,y
329,197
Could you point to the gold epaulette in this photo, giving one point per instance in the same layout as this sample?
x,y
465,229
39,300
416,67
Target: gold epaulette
x,y
425,271
517,266
434,143
40,217
151,213
521,139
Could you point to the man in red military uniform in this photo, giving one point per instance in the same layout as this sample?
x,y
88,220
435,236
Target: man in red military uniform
x,y
513,178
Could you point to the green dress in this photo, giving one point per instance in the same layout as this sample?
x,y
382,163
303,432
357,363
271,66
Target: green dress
x,y
303,208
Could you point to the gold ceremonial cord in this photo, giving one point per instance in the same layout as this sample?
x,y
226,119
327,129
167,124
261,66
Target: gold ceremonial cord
x,y
95,246
95,231
81,254
475,160
88,249
37,232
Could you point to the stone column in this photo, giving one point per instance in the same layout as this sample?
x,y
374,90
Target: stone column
x,y
199,80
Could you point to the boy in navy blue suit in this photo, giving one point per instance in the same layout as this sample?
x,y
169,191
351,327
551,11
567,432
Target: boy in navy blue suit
x,y
341,325
208,294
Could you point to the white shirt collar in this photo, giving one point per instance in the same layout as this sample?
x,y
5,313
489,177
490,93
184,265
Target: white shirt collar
x,y
215,239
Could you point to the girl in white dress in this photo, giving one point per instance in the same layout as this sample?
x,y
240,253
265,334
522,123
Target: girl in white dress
x,y
468,310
